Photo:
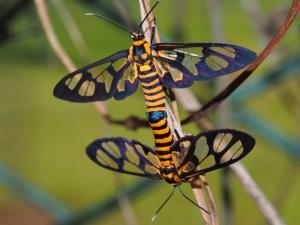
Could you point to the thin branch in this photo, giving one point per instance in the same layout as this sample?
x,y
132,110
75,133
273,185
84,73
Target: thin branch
x,y
51,36
256,17
214,102
240,172
177,22
60,52
280,200
216,20
124,203
123,8
198,190
213,206
99,106
223,112
173,117
267,209
131,122
134,123
72,28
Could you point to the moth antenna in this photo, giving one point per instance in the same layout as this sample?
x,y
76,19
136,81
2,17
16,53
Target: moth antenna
x,y
158,210
191,201
110,21
141,24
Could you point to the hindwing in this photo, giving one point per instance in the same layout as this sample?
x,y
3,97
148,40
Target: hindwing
x,y
210,150
125,156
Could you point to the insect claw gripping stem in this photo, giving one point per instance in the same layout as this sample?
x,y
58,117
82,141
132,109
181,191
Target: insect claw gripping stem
x,y
153,29
152,34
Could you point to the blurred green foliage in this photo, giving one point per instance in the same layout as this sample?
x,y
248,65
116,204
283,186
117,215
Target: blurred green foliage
x,y
44,138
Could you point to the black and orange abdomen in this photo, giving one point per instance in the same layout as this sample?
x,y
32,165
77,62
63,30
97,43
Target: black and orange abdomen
x,y
156,113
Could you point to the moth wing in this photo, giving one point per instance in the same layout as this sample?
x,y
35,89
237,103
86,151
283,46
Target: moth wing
x,y
113,76
125,156
211,150
181,64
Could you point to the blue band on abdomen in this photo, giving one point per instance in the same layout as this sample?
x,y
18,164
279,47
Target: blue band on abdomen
x,y
156,116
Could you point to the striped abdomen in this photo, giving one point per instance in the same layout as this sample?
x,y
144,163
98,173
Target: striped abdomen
x,y
157,117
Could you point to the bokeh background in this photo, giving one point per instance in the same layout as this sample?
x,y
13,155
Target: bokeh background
x,y
45,176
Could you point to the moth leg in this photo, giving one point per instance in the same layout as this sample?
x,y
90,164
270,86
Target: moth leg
x,y
153,31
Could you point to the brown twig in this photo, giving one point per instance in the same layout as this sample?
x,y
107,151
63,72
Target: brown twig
x,y
223,112
71,27
122,6
135,123
214,102
256,194
199,192
198,189
269,212
131,122
99,106
177,22
124,203
239,171
59,50
256,17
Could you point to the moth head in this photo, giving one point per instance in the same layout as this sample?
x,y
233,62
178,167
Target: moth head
x,y
136,36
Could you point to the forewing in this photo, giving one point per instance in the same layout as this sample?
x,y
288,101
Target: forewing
x,y
110,77
181,64
212,150
125,156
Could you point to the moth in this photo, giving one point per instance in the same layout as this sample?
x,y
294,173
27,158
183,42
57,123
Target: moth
x,y
190,155
157,66
154,65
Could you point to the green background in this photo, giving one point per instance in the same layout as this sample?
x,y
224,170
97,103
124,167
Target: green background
x,y
43,138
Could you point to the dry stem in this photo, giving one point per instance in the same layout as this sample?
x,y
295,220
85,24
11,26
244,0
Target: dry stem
x,y
59,50
70,66
199,192
214,102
